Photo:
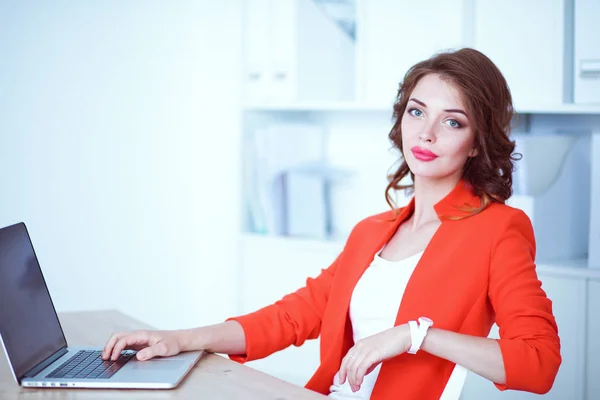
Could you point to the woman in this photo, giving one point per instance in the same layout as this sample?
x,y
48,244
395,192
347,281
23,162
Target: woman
x,y
405,308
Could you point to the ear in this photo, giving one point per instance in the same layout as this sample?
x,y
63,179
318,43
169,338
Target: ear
x,y
473,152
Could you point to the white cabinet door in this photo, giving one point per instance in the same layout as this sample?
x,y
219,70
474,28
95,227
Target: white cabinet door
x,y
257,73
295,52
593,342
284,23
568,298
587,52
393,35
525,39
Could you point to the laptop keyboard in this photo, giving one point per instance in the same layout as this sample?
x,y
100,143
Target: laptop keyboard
x,y
88,364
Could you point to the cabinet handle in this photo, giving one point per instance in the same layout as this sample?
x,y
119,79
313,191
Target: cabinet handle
x,y
589,68
254,76
280,76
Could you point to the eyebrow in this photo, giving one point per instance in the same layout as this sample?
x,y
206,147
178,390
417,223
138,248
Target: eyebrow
x,y
454,110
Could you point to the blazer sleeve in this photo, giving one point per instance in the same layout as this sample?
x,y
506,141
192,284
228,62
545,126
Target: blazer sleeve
x,y
529,339
291,320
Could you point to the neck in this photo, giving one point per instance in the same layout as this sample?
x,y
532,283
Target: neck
x,y
427,194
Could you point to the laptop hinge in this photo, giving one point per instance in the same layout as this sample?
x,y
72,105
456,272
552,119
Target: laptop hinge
x,y
38,368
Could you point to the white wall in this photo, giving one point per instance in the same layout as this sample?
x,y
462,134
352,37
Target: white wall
x,y
119,144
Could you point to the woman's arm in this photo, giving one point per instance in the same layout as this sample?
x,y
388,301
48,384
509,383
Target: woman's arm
x,y
529,340
477,354
291,320
227,338
527,355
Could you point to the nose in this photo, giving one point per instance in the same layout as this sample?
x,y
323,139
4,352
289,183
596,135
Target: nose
x,y
428,133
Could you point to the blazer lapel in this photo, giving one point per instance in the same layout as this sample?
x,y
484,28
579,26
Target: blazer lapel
x,y
423,279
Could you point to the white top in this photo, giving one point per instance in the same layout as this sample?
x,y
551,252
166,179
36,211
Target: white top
x,y
373,308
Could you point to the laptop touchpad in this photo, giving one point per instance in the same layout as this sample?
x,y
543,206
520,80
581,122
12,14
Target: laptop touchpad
x,y
158,364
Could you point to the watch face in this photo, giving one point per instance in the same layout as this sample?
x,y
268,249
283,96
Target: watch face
x,y
425,320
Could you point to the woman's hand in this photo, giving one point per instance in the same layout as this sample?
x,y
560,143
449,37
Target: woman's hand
x,y
227,337
148,343
367,353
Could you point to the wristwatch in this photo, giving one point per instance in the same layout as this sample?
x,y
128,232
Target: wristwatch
x,y
418,331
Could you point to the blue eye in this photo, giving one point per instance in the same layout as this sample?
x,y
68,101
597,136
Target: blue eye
x,y
415,112
454,123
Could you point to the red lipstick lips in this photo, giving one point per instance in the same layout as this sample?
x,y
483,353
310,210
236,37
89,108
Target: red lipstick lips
x,y
422,154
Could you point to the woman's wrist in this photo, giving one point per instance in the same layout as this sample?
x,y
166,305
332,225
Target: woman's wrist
x,y
193,339
226,337
405,337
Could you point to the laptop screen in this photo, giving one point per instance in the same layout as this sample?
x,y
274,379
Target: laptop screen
x,y
28,323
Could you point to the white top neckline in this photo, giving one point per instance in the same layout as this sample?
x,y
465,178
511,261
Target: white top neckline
x,y
397,262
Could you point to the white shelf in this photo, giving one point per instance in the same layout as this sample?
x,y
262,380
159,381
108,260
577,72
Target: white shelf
x,y
320,107
565,268
348,106
568,109
569,269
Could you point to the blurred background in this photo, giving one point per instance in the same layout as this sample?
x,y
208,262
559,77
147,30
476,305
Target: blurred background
x,y
187,161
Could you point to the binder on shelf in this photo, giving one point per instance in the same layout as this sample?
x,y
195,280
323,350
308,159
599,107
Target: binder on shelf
x,y
308,203
271,151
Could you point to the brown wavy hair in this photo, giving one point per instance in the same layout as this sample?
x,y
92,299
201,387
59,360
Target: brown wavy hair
x,y
489,105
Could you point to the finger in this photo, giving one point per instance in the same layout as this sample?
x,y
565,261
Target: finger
x,y
106,352
128,341
342,375
119,346
158,350
352,378
361,371
349,366
344,367
343,371
353,372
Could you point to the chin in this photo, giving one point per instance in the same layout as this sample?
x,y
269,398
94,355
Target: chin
x,y
426,170
431,173
432,169
430,176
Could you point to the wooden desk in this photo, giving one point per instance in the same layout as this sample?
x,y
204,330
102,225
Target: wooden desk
x,y
214,377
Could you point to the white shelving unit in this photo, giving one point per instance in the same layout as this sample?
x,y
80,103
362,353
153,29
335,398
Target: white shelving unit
x,y
350,106
358,125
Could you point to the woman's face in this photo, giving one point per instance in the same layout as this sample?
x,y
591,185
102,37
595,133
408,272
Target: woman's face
x,y
437,138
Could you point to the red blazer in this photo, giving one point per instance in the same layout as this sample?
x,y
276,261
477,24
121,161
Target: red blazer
x,y
475,271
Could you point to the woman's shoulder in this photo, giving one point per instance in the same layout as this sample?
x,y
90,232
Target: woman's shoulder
x,y
505,219
505,214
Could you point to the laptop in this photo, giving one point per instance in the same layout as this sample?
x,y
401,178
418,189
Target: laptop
x,y
34,342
